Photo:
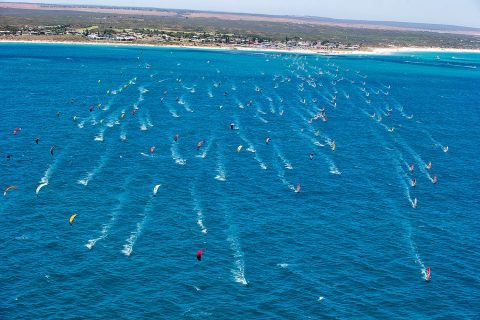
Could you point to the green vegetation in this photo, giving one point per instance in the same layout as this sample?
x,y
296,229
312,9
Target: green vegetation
x,y
180,26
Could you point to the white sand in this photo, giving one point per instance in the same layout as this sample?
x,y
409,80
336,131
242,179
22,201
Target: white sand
x,y
364,51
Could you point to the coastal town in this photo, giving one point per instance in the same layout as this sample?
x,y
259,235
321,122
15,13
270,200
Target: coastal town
x,y
168,37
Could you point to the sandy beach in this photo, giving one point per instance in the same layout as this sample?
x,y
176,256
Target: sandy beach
x,y
363,51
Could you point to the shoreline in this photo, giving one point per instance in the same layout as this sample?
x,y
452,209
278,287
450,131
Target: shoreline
x,y
365,51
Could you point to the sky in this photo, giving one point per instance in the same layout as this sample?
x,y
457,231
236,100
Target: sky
x,y
455,12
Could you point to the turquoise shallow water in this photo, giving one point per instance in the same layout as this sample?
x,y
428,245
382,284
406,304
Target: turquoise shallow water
x,y
348,245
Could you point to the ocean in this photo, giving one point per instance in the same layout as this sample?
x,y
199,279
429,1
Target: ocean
x,y
292,172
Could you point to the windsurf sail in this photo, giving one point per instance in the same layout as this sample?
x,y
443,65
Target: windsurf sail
x,y
427,274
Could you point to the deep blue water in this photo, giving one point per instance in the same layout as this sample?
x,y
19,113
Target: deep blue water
x,y
348,245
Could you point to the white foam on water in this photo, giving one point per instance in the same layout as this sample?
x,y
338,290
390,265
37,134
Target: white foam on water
x,y
435,142
48,173
221,175
281,175
128,247
175,154
238,271
333,168
134,235
316,142
91,243
198,210
416,255
402,112
262,119
107,226
403,177
186,105
99,136
96,170
259,160
279,154
147,155
148,121
143,126
171,110
259,110
422,165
